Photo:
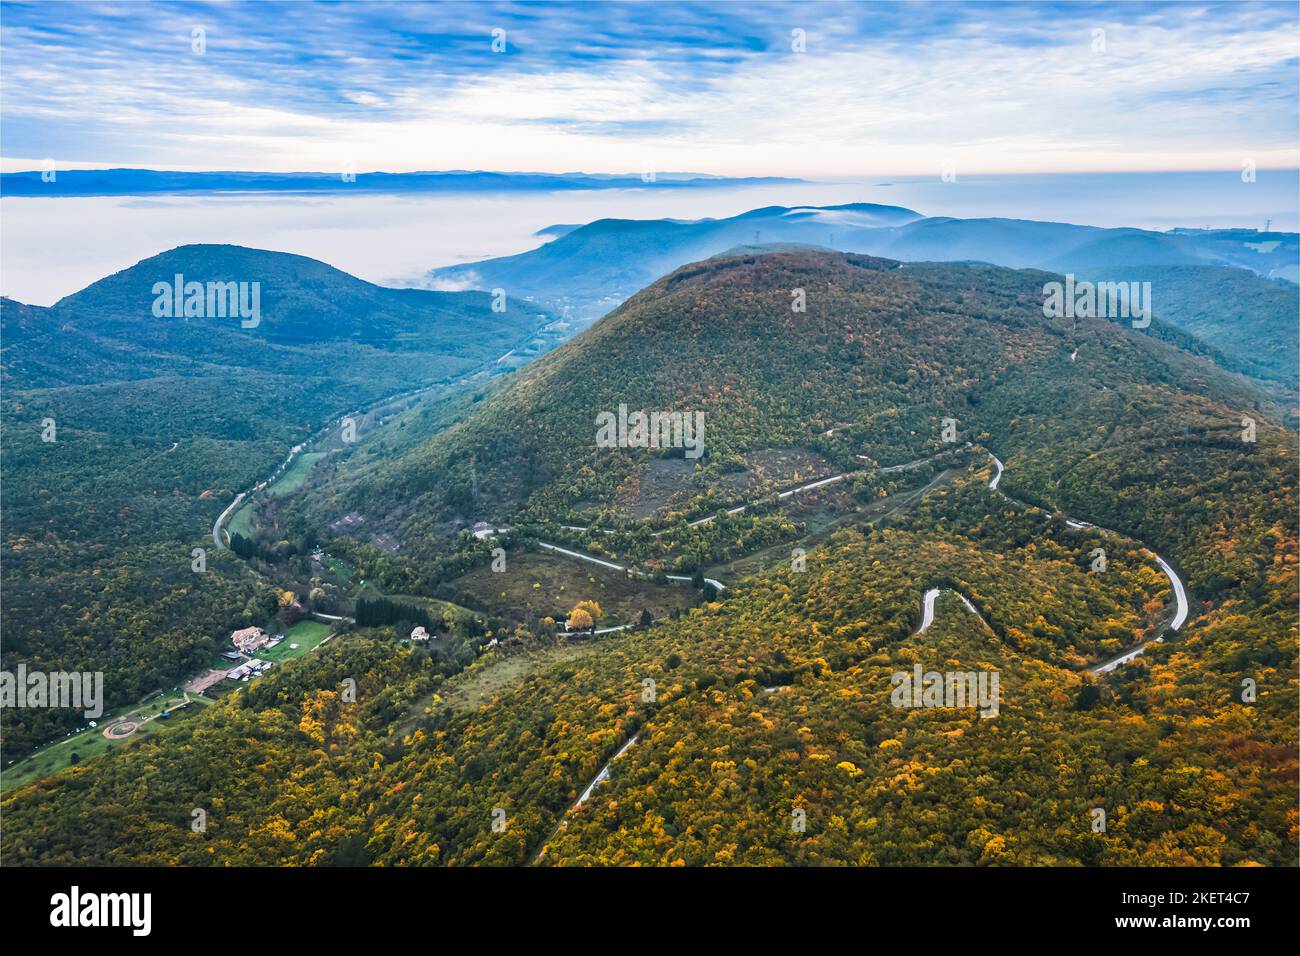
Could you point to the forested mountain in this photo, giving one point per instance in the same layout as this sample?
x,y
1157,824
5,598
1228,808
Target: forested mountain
x,y
127,433
310,315
881,355
1216,284
773,702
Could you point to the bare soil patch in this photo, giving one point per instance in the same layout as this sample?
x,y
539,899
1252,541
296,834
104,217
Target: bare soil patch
x,y
198,685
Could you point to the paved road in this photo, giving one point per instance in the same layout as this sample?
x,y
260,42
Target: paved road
x,y
581,557
230,509
618,567
604,773
455,382
1175,582
221,519
1180,593
927,613
600,778
892,468
820,483
331,617
927,609
816,484
780,497
718,585
997,477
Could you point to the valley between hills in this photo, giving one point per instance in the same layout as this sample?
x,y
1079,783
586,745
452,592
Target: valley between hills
x,y
919,469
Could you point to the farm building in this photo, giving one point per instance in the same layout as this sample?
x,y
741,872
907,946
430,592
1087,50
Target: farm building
x,y
249,639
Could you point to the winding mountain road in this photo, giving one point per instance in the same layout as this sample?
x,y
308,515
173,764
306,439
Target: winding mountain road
x,y
1181,606
927,607
453,383
221,519
928,601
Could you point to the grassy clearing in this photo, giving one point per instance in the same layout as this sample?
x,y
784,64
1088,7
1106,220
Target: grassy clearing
x,y
492,675
306,634
91,741
341,570
539,585
241,522
296,473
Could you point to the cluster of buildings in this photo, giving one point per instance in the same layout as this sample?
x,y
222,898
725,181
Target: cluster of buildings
x,y
246,641
249,669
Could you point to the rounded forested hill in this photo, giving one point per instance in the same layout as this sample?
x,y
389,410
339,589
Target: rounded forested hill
x,y
300,300
880,354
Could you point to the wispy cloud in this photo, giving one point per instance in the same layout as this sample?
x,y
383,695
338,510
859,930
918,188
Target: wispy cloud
x,y
621,86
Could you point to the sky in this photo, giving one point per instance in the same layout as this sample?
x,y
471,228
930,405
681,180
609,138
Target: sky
x,y
877,88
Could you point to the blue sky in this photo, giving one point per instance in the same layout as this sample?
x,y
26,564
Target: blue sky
x,y
621,87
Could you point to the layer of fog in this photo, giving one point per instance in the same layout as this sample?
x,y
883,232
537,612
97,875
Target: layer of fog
x,y
50,248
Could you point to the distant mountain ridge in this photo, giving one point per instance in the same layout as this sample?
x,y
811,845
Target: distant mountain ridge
x,y
587,271
130,182
584,272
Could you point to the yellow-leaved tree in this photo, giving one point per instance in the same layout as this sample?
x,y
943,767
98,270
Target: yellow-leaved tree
x,y
592,608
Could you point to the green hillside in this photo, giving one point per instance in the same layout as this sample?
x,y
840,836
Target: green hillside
x,y
159,422
881,356
1253,323
774,696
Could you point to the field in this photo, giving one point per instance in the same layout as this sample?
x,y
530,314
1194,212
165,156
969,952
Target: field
x,y
306,634
296,473
241,522
539,585
91,741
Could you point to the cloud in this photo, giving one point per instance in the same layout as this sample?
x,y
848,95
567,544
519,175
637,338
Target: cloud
x,y
465,283
362,98
881,88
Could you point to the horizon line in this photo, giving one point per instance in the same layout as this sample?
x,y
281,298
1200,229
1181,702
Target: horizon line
x,y
88,167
